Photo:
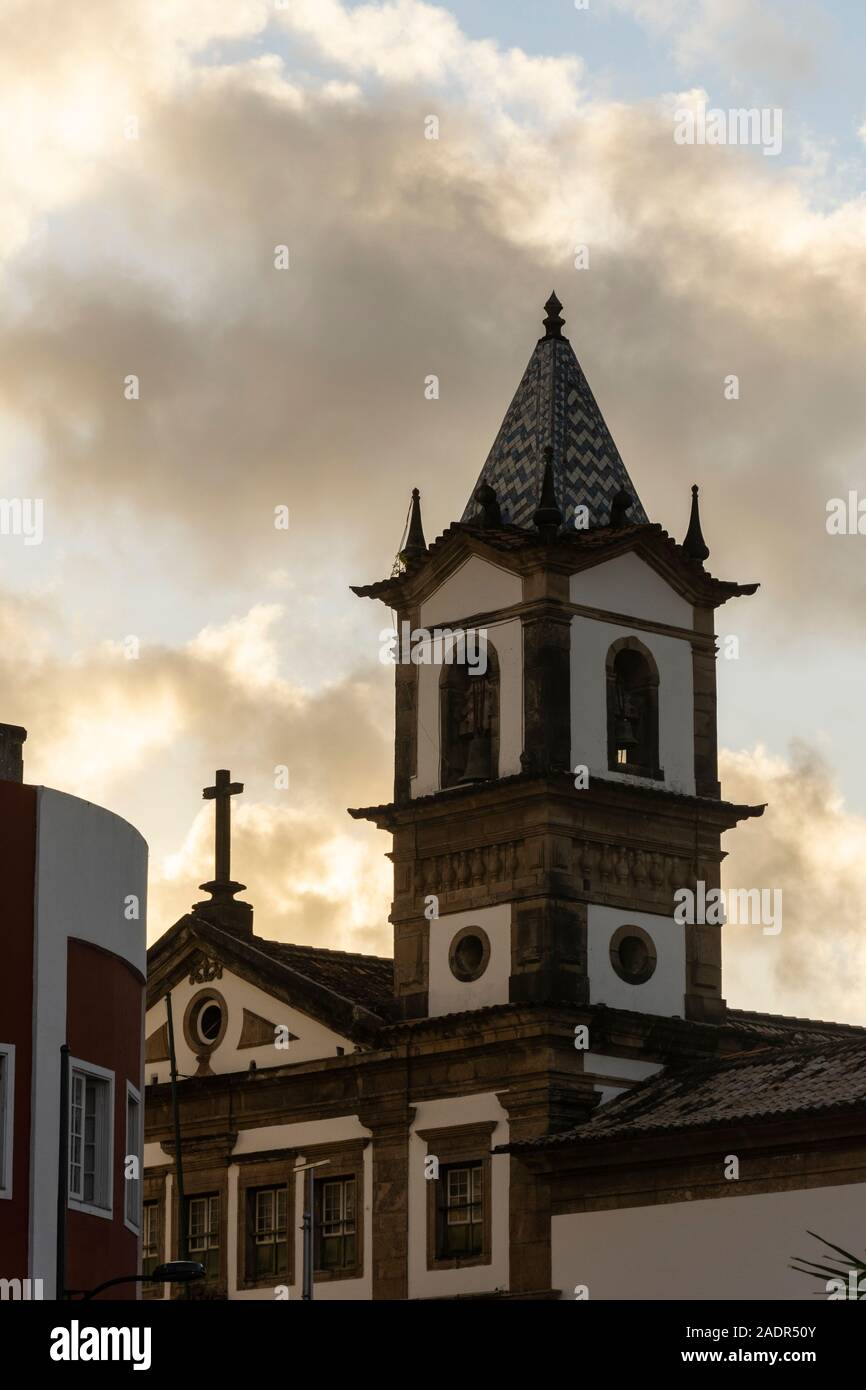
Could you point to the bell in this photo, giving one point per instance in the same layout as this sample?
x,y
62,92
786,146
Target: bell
x,y
624,734
478,760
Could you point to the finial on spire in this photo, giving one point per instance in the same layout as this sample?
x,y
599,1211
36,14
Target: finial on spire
x,y
415,546
488,513
694,544
554,321
619,507
548,517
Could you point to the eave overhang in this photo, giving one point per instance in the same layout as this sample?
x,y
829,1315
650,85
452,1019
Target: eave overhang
x,y
391,815
523,550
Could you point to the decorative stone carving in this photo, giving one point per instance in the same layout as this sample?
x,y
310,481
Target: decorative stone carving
x,y
205,969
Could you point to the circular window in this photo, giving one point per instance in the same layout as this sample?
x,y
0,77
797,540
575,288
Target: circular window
x,y
469,953
633,954
205,1021
209,1022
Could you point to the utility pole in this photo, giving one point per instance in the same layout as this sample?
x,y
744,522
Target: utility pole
x,y
183,1231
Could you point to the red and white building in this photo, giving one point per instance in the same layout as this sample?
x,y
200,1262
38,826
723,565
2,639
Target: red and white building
x,y
72,972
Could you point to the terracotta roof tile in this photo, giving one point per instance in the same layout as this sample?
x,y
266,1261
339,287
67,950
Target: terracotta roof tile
x,y
365,980
770,1083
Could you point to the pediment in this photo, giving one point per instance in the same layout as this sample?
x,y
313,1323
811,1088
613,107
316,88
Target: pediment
x,y
266,1012
476,585
627,585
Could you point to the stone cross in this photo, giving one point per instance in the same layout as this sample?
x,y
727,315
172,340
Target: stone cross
x,y
222,792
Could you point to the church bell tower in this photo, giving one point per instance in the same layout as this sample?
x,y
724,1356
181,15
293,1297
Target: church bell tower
x,y
555,777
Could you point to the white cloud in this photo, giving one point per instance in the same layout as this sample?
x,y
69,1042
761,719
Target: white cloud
x,y
812,848
740,38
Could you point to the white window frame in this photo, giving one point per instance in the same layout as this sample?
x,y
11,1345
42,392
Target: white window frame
x,y
134,1225
207,1234
7,1115
157,1206
96,1073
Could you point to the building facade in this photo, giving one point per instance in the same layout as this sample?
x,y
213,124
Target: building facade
x,y
541,1094
75,884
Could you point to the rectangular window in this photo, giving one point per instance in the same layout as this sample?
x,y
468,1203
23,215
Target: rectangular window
x,y
91,1134
203,1224
151,1237
7,1100
461,1224
132,1170
268,1215
336,1237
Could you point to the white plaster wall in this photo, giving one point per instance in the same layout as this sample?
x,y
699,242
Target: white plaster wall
x,y
449,995
627,585
313,1132
664,992
507,638
88,862
439,1114
476,587
727,1248
314,1040
590,641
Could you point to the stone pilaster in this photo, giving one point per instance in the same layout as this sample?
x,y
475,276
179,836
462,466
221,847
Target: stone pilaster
x,y
390,1124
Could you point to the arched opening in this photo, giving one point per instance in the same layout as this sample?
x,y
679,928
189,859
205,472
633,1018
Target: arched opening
x,y
632,709
469,718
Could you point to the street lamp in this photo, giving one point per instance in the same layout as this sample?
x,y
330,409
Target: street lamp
x,y
174,1272
307,1226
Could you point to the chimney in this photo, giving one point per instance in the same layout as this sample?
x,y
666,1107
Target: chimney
x,y
11,760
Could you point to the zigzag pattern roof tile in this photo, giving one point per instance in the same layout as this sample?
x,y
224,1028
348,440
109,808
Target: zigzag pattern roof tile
x,y
554,405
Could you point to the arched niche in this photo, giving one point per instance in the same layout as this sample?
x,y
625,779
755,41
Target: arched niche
x,y
632,709
468,718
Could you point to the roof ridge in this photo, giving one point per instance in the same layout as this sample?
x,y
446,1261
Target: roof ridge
x,y
325,950
759,1015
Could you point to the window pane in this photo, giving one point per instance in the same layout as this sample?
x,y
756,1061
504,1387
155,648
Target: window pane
x,y
331,1252
264,1211
460,1233
90,1139
150,1237
203,1214
335,1224
76,1126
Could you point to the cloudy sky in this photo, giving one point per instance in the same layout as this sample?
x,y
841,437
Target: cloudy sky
x,y
153,155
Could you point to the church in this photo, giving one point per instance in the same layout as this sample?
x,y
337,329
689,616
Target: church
x,y
543,1094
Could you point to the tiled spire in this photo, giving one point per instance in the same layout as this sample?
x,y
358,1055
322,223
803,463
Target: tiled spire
x,y
554,407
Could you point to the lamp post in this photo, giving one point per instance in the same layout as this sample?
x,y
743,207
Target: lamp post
x,y
307,1226
175,1272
